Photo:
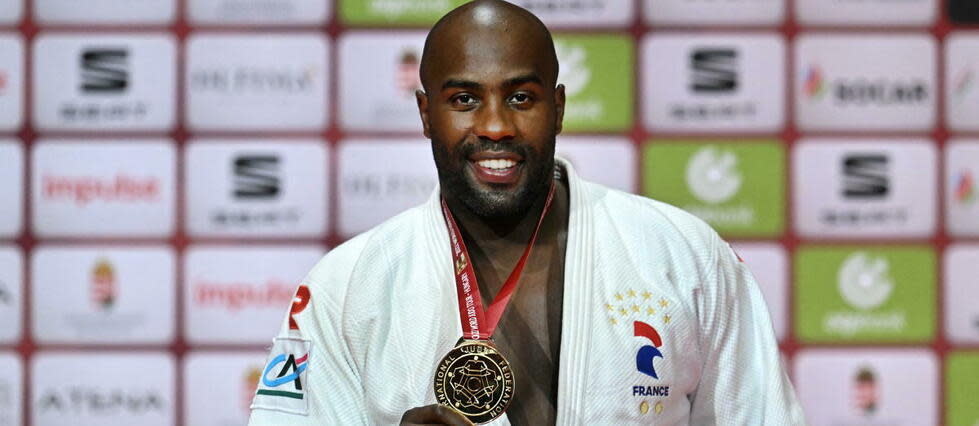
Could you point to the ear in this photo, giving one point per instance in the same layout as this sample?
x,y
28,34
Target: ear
x,y
559,108
422,100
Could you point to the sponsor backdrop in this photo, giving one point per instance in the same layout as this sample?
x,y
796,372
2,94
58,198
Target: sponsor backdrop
x,y
170,169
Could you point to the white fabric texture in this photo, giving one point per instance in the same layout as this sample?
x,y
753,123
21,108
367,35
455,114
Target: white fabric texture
x,y
383,312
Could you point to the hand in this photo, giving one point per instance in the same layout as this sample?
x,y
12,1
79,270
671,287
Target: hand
x,y
434,414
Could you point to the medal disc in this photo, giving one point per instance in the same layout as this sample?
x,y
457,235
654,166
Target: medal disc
x,y
475,380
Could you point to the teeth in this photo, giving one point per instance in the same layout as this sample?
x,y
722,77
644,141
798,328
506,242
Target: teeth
x,y
497,164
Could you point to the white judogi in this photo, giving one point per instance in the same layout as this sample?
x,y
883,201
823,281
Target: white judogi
x,y
383,312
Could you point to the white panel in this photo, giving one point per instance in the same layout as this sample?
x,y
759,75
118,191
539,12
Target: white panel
x,y
377,91
240,295
103,189
109,295
11,187
769,265
610,161
129,12
257,82
11,296
864,188
11,389
259,12
708,12
961,293
868,387
379,179
219,386
713,82
866,12
865,82
102,389
257,188
119,82
962,81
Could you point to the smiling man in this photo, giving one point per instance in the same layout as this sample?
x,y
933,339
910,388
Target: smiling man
x,y
520,293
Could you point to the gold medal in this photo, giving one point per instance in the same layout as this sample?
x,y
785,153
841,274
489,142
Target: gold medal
x,y
475,380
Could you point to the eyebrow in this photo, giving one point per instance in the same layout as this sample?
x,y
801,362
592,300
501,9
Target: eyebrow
x,y
472,85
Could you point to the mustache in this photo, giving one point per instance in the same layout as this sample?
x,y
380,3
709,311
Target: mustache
x,y
515,147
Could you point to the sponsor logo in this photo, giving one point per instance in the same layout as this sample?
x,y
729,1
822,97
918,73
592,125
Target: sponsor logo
x,y
863,91
299,303
105,70
104,74
103,285
713,176
880,295
256,177
254,80
407,78
375,186
256,180
714,70
865,176
283,383
101,402
964,187
84,190
706,180
235,296
865,392
713,75
864,282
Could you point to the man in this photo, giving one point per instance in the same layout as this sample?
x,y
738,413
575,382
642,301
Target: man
x,y
621,309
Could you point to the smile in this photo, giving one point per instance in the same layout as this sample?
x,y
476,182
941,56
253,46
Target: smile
x,y
496,168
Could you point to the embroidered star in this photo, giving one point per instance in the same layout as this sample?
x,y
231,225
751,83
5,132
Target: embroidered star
x,y
623,311
632,293
646,295
635,308
609,307
650,311
663,303
666,319
618,296
613,321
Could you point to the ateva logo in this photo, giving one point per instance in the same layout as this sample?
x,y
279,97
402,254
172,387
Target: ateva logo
x,y
706,179
880,294
597,73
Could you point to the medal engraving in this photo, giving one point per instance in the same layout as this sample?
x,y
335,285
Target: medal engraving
x,y
475,380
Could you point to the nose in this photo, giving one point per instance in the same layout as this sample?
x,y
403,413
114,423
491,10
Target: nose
x,y
494,122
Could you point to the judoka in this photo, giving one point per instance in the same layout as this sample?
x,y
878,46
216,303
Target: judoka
x,y
521,293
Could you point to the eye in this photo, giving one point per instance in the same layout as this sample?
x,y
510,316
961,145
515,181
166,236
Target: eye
x,y
464,100
520,99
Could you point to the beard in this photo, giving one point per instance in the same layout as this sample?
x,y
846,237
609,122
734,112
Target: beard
x,y
487,200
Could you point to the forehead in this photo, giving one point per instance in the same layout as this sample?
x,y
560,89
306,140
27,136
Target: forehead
x,y
488,55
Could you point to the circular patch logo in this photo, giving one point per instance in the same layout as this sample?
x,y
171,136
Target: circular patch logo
x,y
864,282
475,380
712,176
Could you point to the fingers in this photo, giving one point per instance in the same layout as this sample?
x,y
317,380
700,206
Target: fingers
x,y
434,414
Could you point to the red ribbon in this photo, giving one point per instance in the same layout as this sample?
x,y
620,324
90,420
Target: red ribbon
x,y
477,325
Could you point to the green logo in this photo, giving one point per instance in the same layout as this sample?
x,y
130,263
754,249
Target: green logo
x,y
738,188
961,388
395,12
865,294
596,71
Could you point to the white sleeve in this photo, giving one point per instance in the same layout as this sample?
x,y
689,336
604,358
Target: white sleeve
x,y
327,391
743,380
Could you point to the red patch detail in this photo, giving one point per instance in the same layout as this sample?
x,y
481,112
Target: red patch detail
x,y
299,303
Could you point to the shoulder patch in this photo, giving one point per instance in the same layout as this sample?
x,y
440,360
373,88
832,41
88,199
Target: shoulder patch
x,y
283,386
